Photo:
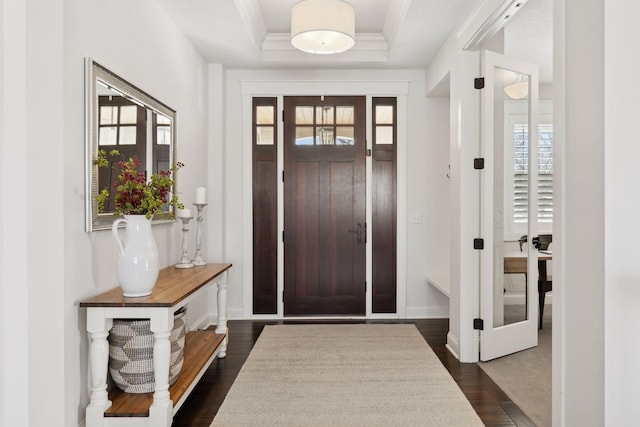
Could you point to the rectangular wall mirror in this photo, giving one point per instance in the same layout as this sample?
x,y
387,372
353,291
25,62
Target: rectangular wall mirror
x,y
121,116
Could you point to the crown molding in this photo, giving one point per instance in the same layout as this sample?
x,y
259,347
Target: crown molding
x,y
251,15
369,47
396,15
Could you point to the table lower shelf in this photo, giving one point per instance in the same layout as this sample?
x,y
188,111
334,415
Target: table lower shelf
x,y
200,349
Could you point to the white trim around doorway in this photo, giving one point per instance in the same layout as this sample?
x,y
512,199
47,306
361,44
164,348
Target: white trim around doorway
x,y
279,89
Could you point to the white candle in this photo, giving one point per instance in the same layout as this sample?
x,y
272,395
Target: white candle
x,y
201,195
184,213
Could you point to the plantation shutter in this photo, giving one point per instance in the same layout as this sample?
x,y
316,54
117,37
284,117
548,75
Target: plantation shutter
x,y
521,173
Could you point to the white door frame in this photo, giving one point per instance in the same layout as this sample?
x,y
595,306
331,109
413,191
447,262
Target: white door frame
x,y
498,340
304,87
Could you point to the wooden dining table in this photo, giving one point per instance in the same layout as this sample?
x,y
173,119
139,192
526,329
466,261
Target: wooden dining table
x,y
515,262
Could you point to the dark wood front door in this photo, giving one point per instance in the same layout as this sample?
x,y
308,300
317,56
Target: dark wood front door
x,y
324,202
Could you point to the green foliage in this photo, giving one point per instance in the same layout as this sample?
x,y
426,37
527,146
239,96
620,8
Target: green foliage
x,y
134,195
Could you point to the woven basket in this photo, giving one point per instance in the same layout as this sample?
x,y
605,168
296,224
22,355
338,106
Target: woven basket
x,y
131,353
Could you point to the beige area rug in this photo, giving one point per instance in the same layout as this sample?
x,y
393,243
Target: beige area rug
x,y
344,375
526,376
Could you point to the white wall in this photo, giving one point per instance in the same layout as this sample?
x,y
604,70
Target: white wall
x,y
584,233
426,131
622,203
3,278
54,262
13,232
428,188
31,278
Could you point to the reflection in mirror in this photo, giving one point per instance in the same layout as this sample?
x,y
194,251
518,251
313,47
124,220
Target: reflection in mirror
x,y
510,303
121,117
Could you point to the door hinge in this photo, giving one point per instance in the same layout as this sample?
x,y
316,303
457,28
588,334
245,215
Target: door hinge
x,y
478,163
282,236
369,152
282,116
478,243
478,83
365,287
478,324
283,176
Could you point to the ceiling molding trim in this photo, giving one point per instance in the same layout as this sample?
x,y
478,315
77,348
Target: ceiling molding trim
x,y
369,47
396,15
312,87
486,20
251,15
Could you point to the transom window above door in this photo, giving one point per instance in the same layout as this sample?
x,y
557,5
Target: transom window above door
x,y
324,125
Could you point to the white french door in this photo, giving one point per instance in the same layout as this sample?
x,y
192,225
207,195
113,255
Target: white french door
x,y
510,322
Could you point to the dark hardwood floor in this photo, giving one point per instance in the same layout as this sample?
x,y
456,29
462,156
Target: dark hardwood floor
x,y
492,405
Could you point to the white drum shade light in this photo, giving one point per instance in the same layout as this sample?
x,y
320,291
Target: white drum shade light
x,y
519,89
323,26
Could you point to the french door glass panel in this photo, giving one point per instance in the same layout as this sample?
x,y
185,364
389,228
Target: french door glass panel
x,y
508,289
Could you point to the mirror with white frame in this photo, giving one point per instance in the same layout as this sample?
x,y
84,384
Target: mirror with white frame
x,y
123,117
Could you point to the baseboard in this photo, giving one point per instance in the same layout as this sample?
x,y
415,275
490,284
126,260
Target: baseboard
x,y
421,312
453,345
211,318
428,312
203,322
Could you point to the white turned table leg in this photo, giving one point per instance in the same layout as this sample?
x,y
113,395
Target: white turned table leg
x,y
161,410
98,327
221,326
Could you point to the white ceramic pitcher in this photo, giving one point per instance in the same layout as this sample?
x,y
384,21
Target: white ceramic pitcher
x,y
137,264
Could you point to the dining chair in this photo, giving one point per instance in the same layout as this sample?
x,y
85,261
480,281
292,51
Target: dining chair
x,y
545,283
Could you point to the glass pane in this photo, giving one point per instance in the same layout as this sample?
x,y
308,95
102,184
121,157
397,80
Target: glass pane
x,y
304,135
107,135
515,85
163,120
128,114
127,135
384,114
108,115
510,257
344,135
344,115
384,135
521,171
264,115
164,135
545,173
324,115
326,136
264,135
304,115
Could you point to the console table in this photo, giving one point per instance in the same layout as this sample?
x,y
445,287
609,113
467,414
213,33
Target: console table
x,y
173,290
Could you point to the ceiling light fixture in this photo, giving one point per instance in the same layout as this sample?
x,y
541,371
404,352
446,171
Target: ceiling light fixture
x,y
323,26
519,89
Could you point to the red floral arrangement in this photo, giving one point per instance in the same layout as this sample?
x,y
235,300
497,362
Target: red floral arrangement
x,y
134,195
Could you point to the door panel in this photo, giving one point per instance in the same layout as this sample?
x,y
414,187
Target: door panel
x,y
384,210
510,325
265,205
324,191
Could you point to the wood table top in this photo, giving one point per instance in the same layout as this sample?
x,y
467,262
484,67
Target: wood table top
x,y
173,285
